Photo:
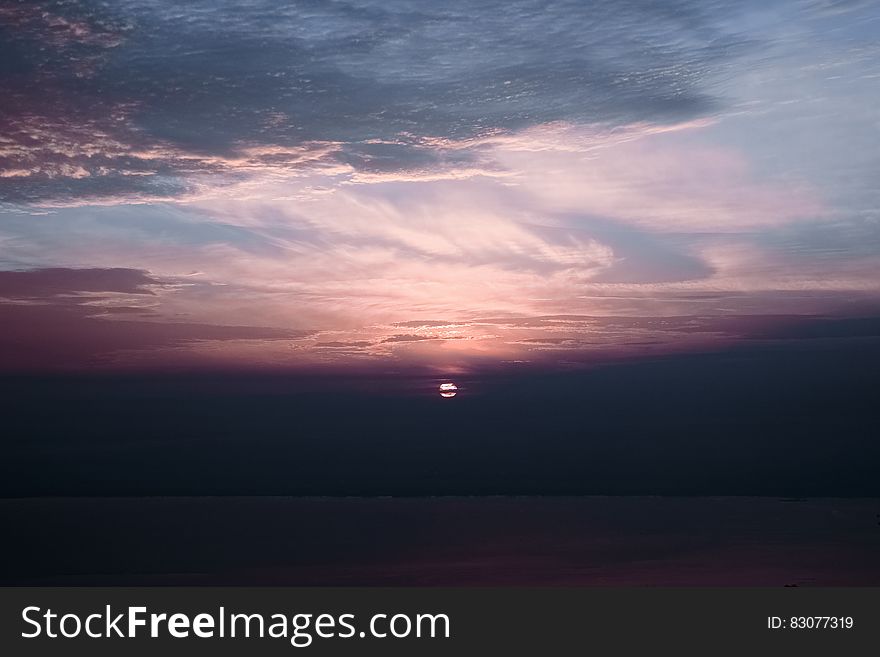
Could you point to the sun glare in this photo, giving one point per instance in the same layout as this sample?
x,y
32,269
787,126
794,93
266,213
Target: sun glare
x,y
448,389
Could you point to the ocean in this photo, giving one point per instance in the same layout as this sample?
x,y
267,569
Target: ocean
x,y
441,541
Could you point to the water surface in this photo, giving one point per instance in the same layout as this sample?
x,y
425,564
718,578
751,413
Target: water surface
x,y
443,541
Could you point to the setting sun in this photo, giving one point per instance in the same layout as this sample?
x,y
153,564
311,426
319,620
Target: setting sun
x,y
448,390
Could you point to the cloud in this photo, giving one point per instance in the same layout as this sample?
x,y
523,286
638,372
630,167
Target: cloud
x,y
54,282
656,179
115,318
427,323
409,338
817,328
60,319
136,101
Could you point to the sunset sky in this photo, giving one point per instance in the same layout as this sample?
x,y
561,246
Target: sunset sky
x,y
434,186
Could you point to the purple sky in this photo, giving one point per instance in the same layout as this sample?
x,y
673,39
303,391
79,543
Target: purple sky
x,y
440,186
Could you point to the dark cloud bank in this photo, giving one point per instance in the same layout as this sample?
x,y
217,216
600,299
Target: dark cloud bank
x,y
790,419
56,319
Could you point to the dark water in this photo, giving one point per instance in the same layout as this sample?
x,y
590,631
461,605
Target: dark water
x,y
605,541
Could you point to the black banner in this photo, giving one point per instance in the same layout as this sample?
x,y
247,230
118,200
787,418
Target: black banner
x,y
411,621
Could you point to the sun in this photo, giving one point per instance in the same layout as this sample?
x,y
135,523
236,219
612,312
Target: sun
x,y
448,389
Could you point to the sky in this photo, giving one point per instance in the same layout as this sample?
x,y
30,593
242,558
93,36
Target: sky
x,y
445,187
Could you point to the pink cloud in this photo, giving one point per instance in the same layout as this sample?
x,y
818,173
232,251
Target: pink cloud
x,y
657,179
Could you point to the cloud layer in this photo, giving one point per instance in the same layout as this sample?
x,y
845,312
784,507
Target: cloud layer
x,y
138,98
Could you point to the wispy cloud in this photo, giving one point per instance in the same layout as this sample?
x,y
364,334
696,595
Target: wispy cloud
x,y
135,100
